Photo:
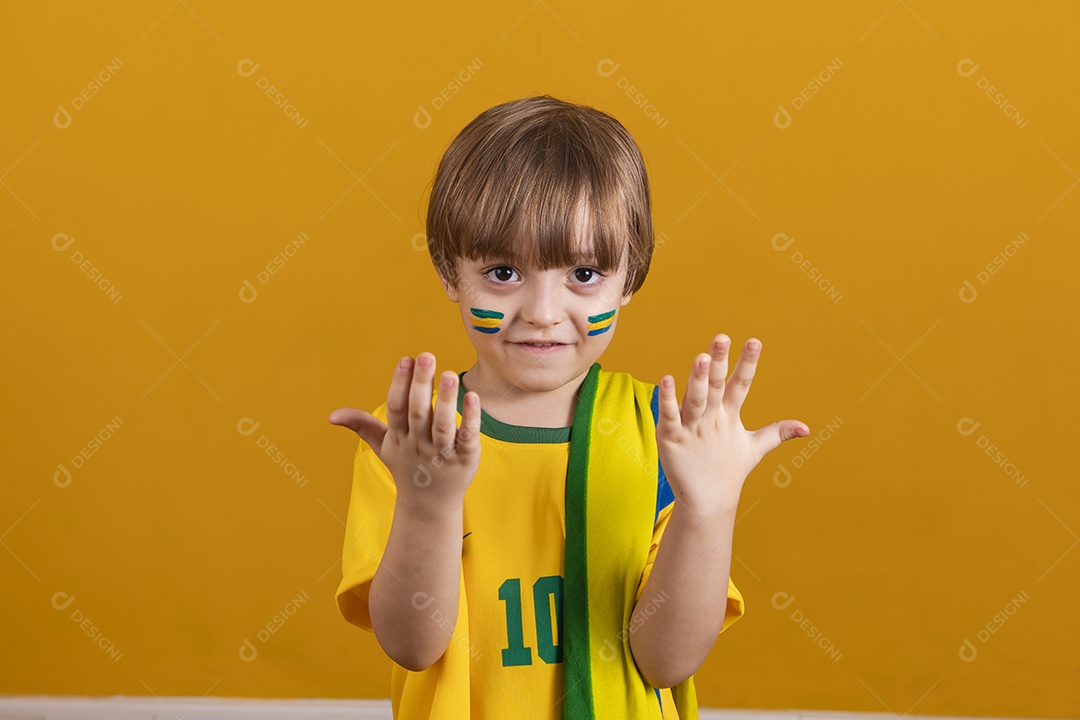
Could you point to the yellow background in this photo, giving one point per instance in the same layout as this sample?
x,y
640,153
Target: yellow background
x,y
898,538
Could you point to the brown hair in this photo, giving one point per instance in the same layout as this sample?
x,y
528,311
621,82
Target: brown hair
x,y
513,182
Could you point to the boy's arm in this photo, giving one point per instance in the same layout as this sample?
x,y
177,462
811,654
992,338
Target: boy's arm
x,y
682,606
706,454
413,598
414,592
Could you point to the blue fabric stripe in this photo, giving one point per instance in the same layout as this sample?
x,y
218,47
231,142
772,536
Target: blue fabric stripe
x,y
658,700
664,495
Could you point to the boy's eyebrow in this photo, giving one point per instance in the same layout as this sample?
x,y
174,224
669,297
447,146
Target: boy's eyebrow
x,y
579,259
493,259
584,257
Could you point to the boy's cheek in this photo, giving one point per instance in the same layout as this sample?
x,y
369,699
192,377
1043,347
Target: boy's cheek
x,y
485,321
601,321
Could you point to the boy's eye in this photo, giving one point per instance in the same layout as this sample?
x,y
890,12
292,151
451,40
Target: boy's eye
x,y
501,274
587,276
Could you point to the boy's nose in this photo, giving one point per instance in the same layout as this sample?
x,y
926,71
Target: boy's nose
x,y
541,303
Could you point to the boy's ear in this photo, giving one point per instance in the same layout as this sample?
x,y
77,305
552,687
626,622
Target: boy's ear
x,y
451,291
626,299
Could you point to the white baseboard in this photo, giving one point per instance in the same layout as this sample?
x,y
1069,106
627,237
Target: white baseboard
x,y
122,707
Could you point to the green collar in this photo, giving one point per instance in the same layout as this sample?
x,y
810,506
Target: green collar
x,y
513,433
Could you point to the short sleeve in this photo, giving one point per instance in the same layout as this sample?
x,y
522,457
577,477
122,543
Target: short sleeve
x,y
367,528
734,609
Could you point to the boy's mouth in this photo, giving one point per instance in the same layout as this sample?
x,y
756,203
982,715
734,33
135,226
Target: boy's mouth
x,y
540,347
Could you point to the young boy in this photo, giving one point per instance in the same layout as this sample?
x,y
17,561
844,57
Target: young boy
x,y
509,559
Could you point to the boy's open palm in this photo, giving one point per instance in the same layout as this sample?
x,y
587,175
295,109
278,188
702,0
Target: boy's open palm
x,y
432,460
704,449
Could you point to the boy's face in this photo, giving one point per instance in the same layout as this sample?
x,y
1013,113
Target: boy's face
x,y
509,312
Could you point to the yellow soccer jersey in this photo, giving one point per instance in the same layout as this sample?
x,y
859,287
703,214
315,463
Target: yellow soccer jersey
x,y
512,567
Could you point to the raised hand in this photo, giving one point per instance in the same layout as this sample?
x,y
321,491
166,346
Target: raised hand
x,y
432,460
704,449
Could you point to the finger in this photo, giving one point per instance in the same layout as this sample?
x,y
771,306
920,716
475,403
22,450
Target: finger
x,y
739,382
468,435
670,419
420,396
772,435
444,424
397,399
370,429
697,390
718,372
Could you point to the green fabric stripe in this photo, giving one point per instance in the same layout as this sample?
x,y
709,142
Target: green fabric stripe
x,y
513,433
577,666
486,313
521,433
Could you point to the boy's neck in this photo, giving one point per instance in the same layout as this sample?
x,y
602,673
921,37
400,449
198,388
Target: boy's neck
x,y
509,404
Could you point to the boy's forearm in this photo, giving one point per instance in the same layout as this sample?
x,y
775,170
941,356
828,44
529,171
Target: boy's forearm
x,y
413,599
682,606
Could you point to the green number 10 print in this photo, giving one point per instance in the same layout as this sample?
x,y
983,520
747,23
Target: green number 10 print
x,y
544,588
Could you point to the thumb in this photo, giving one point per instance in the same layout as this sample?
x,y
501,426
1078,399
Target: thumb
x,y
370,429
773,434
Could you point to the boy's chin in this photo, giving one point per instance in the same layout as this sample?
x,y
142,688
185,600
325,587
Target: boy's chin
x,y
539,378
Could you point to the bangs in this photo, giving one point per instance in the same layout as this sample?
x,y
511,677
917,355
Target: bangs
x,y
544,203
541,191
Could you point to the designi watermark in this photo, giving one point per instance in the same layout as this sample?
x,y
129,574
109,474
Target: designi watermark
x,y
781,242
607,426
247,67
422,118
610,652
607,68
967,427
62,117
782,117
969,650
782,477
968,67
422,601
248,650
62,476
782,601
62,601
968,292
248,292
61,242
247,427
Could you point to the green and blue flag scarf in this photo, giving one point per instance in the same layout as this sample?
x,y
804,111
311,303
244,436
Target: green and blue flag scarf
x,y
611,491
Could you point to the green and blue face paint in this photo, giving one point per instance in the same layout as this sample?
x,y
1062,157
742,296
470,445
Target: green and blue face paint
x,y
601,323
490,321
486,321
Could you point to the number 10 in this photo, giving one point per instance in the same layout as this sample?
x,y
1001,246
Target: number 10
x,y
543,588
